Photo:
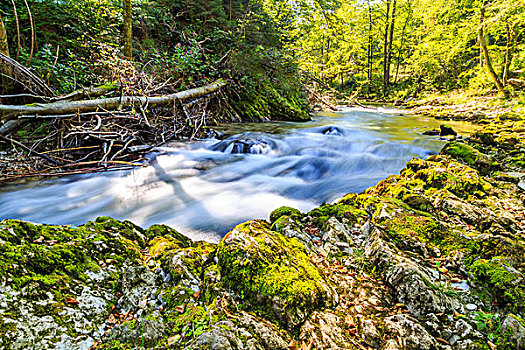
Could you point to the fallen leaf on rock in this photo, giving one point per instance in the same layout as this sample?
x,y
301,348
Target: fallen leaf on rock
x,y
112,320
293,345
349,320
173,339
443,341
180,309
443,270
72,301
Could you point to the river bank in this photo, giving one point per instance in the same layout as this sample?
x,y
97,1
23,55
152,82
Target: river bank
x,y
432,258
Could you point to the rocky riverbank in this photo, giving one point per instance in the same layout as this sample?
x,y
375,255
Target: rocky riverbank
x,y
433,258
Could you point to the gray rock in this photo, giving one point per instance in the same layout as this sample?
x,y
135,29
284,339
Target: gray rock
x,y
515,330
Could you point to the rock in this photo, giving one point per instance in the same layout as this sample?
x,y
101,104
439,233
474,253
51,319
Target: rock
x,y
432,132
410,333
446,130
273,272
288,211
471,307
514,328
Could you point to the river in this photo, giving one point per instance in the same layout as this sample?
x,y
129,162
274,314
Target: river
x,y
206,187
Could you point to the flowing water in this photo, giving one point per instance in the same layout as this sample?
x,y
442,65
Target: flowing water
x,y
204,188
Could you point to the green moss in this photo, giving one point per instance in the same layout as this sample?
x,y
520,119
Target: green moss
x,y
163,230
277,213
261,265
470,156
501,282
341,211
405,226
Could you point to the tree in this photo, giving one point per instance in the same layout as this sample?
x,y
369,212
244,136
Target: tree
x,y
485,50
128,47
4,47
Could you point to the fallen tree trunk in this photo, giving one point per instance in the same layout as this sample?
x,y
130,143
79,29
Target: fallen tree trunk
x,y
9,112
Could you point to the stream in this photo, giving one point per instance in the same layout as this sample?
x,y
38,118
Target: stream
x,y
204,188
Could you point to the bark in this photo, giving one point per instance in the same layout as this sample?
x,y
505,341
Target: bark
x,y
485,51
509,52
369,42
9,112
126,9
391,40
17,31
399,52
4,47
32,33
385,48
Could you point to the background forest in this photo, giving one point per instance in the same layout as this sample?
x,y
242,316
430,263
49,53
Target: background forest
x,y
390,48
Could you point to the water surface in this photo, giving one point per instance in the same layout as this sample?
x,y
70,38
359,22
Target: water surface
x,y
205,188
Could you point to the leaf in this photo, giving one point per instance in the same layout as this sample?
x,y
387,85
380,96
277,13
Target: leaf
x,y
72,301
349,320
173,339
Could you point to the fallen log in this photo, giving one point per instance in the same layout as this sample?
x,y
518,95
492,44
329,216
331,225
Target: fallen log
x,y
9,112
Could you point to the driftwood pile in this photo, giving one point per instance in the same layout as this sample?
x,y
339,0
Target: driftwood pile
x,y
94,129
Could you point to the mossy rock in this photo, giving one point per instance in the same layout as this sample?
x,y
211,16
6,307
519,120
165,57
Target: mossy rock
x,y
163,230
471,156
502,280
272,273
288,211
345,213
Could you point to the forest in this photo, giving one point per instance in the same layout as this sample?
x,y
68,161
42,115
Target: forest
x,y
262,174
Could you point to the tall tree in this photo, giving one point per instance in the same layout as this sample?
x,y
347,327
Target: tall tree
x,y
390,42
4,48
128,48
485,50
385,47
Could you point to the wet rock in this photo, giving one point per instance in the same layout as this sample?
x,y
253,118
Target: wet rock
x,y
432,132
445,130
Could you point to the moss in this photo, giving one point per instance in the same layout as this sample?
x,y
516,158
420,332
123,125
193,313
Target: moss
x,y
470,156
262,265
406,226
163,230
501,283
341,211
277,213
43,259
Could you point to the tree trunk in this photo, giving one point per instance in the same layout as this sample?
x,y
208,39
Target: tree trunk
x,y
485,51
409,17
5,69
8,112
509,52
4,48
369,54
391,40
385,48
126,9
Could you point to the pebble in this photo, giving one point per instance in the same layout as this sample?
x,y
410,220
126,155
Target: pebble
x,y
471,307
